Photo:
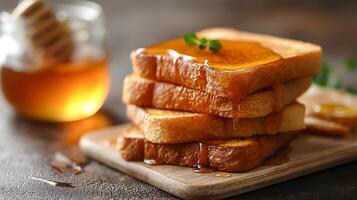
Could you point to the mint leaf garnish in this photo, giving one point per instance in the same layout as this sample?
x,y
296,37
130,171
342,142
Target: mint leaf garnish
x,y
191,39
214,45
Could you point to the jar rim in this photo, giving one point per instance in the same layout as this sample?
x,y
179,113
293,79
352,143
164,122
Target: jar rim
x,y
87,10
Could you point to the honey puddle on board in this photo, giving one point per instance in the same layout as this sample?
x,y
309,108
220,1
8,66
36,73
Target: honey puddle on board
x,y
335,110
223,175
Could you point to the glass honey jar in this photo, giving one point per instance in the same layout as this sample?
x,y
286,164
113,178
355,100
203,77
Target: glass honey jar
x,y
58,92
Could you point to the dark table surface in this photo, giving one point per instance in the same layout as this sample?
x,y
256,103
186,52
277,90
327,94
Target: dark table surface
x,y
27,147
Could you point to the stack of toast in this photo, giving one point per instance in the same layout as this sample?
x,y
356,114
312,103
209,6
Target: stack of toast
x,y
225,110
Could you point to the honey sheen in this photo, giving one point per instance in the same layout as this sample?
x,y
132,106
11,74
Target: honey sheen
x,y
232,56
61,93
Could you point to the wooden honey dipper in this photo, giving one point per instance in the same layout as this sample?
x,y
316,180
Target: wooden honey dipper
x,y
50,37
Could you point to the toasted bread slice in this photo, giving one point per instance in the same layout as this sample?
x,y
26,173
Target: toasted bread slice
x,y
235,155
331,104
254,62
325,127
166,126
149,93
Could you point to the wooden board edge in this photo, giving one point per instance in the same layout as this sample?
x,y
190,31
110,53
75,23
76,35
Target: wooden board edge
x,y
160,180
283,176
193,192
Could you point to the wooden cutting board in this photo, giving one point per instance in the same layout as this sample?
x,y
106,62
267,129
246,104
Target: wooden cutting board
x,y
307,154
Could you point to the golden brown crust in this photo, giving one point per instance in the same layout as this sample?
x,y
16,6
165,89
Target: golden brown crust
x,y
299,60
149,93
173,154
234,155
247,156
165,126
131,148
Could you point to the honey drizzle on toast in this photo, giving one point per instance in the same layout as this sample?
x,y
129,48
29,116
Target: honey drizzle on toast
x,y
234,55
202,165
236,112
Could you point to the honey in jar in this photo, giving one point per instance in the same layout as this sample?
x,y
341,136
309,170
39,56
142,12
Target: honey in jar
x,y
65,92
69,89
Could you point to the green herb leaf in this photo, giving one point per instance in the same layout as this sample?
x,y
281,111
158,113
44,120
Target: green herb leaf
x,y
323,76
191,39
214,45
351,64
203,43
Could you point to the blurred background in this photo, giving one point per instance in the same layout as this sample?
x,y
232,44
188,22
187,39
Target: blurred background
x,y
26,147
133,24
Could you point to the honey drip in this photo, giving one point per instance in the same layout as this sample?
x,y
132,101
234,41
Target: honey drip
x,y
202,165
236,112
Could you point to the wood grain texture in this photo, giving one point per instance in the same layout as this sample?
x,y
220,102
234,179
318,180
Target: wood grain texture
x,y
309,153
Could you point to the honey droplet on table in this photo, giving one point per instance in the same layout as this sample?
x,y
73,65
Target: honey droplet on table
x,y
223,175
